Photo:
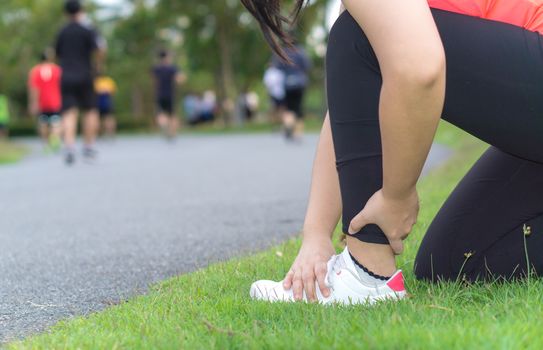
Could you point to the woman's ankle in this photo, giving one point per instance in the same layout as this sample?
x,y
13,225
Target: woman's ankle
x,y
377,258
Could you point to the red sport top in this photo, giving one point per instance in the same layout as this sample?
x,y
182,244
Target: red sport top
x,y
45,78
527,14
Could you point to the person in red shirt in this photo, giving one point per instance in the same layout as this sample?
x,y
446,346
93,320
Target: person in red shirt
x,y
45,99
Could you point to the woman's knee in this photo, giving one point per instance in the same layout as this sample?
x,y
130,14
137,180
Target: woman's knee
x,y
349,47
429,267
433,260
353,78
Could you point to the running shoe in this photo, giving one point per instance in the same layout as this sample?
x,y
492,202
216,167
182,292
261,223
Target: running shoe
x,y
69,158
289,133
89,153
345,285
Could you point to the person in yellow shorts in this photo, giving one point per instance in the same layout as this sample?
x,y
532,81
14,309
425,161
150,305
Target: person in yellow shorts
x,y
106,88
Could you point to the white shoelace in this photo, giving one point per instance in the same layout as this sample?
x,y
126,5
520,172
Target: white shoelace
x,y
330,268
337,263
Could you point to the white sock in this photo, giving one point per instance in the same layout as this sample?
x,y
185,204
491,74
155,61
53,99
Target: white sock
x,y
366,275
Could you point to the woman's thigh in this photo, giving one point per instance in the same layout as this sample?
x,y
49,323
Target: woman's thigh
x,y
494,82
482,228
494,85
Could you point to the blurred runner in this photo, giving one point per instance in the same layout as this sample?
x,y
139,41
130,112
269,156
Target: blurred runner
x,y
77,44
167,76
247,106
44,99
274,80
208,106
191,106
296,81
106,88
4,117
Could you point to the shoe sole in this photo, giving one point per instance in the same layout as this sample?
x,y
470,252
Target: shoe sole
x,y
256,294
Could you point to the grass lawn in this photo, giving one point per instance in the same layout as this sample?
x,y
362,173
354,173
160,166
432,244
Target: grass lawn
x,y
313,123
10,153
210,308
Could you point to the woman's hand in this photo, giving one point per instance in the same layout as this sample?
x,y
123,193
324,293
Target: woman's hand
x,y
395,216
310,266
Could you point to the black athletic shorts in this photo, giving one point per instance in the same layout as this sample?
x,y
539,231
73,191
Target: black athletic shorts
x,y
294,100
165,105
49,118
105,105
78,95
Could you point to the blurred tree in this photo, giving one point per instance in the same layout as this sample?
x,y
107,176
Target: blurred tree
x,y
222,38
27,28
131,46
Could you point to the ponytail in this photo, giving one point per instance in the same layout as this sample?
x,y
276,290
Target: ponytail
x,y
268,14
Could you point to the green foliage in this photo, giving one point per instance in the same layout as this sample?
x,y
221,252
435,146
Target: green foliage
x,y
131,49
222,41
27,28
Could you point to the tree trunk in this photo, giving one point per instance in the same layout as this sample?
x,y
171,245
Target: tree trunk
x,y
137,102
229,92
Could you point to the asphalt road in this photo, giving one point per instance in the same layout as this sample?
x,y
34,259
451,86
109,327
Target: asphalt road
x,y
75,240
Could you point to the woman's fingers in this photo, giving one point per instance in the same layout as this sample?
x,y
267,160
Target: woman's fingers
x,y
297,285
287,282
358,222
304,279
309,285
397,246
396,240
320,272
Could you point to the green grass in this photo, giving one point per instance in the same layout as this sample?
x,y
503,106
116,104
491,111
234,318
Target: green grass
x,y
128,125
312,124
210,308
10,153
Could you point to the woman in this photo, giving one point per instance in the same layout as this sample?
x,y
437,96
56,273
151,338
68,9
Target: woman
x,y
393,69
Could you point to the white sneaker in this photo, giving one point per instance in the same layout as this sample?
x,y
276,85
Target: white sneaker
x,y
345,286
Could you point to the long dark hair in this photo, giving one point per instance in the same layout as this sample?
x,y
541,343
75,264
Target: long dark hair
x,y
272,21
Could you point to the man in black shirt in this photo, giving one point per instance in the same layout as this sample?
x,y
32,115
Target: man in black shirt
x,y
166,76
77,46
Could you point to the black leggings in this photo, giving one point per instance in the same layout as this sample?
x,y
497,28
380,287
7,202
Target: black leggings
x,y
495,92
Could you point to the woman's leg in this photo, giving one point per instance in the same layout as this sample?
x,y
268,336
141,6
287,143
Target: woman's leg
x,y
494,82
494,89
496,96
353,87
482,229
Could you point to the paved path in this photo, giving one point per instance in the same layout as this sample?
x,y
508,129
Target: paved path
x,y
74,240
